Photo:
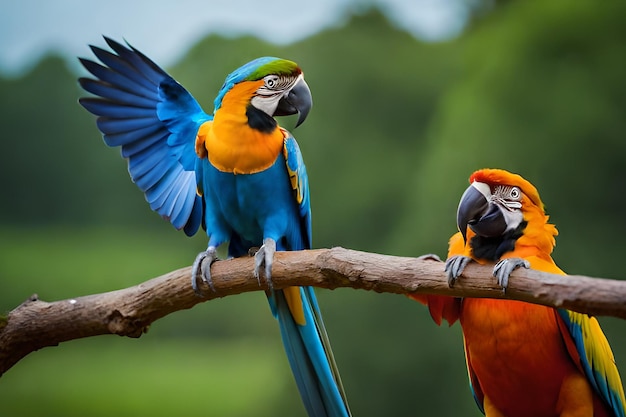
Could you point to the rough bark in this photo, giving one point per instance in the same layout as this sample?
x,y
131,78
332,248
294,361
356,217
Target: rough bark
x,y
36,324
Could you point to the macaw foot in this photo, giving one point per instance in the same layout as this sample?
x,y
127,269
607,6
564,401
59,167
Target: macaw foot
x,y
455,266
196,269
504,267
265,257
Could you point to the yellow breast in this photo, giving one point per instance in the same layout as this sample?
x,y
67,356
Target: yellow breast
x,y
230,143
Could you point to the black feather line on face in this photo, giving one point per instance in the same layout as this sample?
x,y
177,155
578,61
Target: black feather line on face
x,y
492,248
259,120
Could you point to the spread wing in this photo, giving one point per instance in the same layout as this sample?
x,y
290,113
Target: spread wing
x,y
154,120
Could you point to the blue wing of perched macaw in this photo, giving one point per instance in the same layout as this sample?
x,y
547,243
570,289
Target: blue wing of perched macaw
x,y
162,131
154,120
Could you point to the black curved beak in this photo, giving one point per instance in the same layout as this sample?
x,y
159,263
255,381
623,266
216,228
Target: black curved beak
x,y
298,100
481,215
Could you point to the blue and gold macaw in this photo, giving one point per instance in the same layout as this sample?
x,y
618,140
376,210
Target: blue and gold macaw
x,y
236,172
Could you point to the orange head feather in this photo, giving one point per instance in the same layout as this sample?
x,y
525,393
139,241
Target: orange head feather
x,y
501,177
538,237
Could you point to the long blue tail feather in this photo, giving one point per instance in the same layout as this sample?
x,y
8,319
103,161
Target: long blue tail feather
x,y
310,356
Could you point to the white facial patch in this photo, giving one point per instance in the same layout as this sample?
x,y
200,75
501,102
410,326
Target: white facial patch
x,y
483,188
273,89
508,198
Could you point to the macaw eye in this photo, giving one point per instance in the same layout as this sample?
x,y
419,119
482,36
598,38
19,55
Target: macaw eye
x,y
508,196
271,81
515,194
508,193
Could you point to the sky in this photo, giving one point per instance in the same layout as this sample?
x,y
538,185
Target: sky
x,y
31,28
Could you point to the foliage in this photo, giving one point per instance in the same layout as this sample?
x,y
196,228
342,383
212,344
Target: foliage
x,y
396,129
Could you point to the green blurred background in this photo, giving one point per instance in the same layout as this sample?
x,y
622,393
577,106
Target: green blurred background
x,y
397,127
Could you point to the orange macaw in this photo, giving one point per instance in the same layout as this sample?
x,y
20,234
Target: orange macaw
x,y
522,359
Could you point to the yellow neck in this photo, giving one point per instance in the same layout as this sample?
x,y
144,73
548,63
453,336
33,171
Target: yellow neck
x,y
232,145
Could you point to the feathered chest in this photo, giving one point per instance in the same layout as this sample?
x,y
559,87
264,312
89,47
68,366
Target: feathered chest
x,y
231,145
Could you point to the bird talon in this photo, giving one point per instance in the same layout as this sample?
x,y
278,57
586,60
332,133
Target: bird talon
x,y
502,270
265,257
454,267
205,276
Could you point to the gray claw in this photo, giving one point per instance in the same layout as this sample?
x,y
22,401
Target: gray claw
x,y
504,267
265,256
455,266
205,276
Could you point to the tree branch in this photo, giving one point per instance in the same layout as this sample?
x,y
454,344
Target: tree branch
x,y
128,312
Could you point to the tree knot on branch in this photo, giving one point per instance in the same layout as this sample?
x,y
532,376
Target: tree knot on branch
x,y
338,269
122,325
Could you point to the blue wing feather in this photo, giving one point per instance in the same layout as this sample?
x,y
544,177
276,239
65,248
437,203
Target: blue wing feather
x,y
118,94
154,120
596,358
114,78
144,65
300,185
158,194
124,69
115,110
150,136
172,204
110,126
147,159
147,180
196,207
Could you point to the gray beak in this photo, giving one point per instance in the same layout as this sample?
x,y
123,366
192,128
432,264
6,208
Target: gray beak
x,y
298,100
477,212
